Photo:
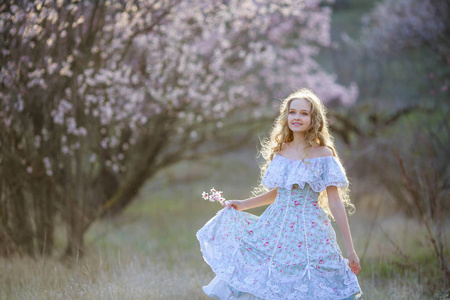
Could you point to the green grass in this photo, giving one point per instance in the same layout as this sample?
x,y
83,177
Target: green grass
x,y
150,251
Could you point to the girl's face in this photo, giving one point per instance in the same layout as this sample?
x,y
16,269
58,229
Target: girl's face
x,y
299,115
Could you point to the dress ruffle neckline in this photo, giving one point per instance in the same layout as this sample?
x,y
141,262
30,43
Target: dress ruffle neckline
x,y
318,172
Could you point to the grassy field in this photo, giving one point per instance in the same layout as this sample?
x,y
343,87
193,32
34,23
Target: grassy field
x,y
150,251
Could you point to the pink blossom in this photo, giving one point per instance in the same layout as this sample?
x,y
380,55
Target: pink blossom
x,y
214,196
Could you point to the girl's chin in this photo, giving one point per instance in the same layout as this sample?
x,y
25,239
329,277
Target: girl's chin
x,y
297,129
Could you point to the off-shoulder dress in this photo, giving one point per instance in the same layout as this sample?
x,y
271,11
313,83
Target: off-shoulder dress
x,y
290,251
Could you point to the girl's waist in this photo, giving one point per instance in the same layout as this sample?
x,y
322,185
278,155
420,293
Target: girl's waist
x,y
296,201
297,192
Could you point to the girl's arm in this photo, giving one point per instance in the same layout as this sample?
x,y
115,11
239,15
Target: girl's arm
x,y
339,214
264,199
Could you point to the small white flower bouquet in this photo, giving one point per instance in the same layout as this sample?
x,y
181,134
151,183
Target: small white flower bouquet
x,y
214,196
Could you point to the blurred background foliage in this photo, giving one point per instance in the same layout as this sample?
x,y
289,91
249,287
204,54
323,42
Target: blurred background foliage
x,y
394,139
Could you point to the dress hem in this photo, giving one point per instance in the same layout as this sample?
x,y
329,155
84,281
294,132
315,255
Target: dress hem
x,y
356,295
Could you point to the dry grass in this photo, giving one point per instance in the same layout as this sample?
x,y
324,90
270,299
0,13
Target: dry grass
x,y
112,276
150,252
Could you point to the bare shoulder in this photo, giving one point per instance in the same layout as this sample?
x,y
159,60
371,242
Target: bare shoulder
x,y
321,151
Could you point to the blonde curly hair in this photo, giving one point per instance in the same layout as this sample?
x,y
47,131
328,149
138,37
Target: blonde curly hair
x,y
317,134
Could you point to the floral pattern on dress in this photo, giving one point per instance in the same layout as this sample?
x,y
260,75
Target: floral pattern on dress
x,y
290,251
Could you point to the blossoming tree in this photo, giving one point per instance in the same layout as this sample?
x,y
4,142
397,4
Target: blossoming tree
x,y
422,188
98,96
398,25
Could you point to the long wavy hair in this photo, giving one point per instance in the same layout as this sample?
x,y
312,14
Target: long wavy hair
x,y
317,134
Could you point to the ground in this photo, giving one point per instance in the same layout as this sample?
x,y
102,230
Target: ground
x,y
150,251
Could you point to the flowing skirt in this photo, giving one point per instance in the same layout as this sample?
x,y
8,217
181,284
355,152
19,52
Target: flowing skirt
x,y
289,252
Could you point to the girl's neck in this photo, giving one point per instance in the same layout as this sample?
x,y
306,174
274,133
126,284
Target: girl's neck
x,y
299,141
300,146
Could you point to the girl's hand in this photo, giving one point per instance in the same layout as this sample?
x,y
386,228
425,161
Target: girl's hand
x,y
353,262
236,204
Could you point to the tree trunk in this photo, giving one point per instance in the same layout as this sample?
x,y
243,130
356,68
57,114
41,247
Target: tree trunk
x,y
23,235
76,228
125,194
7,245
44,218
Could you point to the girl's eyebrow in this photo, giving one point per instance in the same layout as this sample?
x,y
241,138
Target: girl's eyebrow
x,y
299,109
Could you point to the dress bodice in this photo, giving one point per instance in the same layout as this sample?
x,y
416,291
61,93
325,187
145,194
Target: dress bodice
x,y
296,197
318,172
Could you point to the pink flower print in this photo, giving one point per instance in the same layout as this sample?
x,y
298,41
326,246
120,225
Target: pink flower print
x,y
292,224
328,241
266,244
296,203
300,244
313,224
250,232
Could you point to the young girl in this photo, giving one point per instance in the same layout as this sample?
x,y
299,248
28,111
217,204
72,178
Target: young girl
x,y
290,251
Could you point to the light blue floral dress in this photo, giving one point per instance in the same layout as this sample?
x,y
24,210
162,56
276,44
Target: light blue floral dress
x,y
290,251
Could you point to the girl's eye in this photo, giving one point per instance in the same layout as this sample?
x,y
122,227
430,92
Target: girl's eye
x,y
292,112
305,114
